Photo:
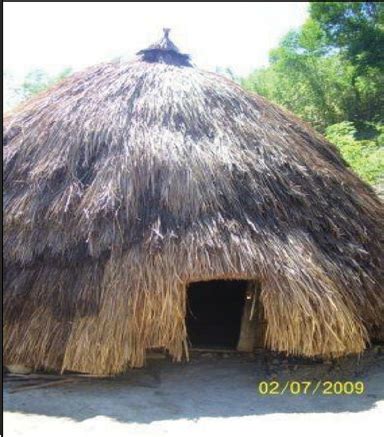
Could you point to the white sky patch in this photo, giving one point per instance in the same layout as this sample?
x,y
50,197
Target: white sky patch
x,y
51,36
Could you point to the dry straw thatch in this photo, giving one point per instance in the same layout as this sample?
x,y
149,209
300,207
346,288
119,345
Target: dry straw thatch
x,y
127,181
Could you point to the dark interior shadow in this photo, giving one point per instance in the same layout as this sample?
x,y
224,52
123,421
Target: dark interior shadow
x,y
209,385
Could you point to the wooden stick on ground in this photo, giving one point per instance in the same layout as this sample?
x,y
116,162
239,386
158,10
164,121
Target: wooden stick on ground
x,y
43,385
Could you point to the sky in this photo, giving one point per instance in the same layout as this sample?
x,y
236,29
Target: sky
x,y
52,36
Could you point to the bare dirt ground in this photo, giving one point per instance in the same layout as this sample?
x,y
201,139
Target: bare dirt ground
x,y
213,394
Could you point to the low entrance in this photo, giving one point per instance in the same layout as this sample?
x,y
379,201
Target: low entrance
x,y
214,313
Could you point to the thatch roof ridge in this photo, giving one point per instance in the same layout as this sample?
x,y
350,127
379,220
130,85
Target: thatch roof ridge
x,y
128,180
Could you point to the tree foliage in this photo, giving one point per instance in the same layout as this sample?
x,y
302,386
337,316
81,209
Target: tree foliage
x,y
356,28
34,82
366,156
331,73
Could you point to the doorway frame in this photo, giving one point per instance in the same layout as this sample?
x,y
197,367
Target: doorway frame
x,y
253,323
252,328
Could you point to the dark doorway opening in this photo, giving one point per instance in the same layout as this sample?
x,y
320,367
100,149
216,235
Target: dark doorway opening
x,y
214,312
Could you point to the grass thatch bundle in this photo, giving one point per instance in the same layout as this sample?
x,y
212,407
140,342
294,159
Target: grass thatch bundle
x,y
127,181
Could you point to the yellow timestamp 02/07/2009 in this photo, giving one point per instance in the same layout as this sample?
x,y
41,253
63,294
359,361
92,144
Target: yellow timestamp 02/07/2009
x,y
327,388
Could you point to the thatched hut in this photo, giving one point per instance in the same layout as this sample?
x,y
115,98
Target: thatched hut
x,y
136,190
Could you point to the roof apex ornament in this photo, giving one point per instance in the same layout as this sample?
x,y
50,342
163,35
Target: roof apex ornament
x,y
165,51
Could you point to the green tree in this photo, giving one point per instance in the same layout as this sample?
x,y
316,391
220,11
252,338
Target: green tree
x,y
305,79
355,28
330,72
366,157
33,83
356,31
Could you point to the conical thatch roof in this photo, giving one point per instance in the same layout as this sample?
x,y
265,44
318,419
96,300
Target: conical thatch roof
x,y
127,181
